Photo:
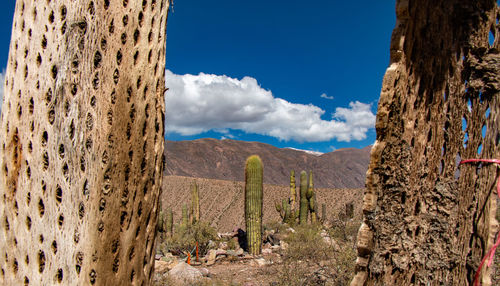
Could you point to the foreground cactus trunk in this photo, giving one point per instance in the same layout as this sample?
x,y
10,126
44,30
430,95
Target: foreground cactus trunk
x,y
83,134
253,203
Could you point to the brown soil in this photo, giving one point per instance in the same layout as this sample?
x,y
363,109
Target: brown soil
x,y
222,203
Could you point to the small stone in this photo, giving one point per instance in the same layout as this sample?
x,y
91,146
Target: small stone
x,y
240,252
158,256
205,272
211,255
284,245
221,252
185,273
261,262
267,251
161,266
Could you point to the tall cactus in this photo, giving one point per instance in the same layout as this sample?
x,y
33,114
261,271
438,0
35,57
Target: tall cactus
x,y
160,223
195,203
253,203
185,216
304,203
293,191
323,213
169,222
311,196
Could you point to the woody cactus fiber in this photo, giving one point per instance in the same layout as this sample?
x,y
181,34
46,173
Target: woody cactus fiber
x,y
253,203
304,203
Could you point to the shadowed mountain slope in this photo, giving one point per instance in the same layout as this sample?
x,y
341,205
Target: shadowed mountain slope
x,y
225,159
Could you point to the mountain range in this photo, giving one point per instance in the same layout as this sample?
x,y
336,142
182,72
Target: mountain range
x,y
225,160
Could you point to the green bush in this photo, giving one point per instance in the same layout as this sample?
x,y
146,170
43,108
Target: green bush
x,y
306,243
184,238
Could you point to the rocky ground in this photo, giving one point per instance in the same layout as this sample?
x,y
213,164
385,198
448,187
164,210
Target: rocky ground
x,y
224,266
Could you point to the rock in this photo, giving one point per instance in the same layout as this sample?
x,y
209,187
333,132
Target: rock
x,y
240,251
261,262
223,245
185,273
290,230
267,251
220,252
205,272
158,256
284,245
210,257
168,257
161,266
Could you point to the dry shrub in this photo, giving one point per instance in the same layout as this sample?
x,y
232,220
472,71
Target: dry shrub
x,y
309,260
184,238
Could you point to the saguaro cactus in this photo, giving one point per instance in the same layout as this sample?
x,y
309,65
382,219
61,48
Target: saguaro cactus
x,y
304,203
293,191
253,203
311,196
169,222
185,216
195,203
82,129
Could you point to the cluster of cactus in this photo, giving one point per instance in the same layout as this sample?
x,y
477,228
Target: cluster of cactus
x,y
253,203
287,209
307,203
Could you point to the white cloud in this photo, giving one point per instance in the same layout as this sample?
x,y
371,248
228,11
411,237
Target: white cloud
x,y
2,83
199,103
323,95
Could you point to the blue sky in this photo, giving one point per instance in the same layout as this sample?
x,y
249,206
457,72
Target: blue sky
x,y
302,74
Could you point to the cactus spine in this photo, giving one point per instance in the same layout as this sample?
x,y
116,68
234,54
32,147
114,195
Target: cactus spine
x,y
195,203
304,203
253,203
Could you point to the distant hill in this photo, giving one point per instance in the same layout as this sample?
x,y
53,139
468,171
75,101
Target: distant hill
x,y
225,159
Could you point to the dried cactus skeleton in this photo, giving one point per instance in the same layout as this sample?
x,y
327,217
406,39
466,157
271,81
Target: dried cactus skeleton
x,y
427,220
82,129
